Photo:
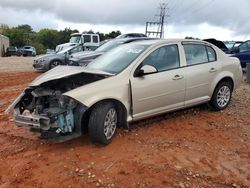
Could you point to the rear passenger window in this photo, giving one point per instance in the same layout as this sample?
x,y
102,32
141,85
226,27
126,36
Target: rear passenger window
x,y
195,54
211,54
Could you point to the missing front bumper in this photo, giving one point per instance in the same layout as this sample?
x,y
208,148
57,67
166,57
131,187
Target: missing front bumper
x,y
33,121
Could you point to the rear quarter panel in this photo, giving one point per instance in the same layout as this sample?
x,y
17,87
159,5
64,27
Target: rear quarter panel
x,y
230,68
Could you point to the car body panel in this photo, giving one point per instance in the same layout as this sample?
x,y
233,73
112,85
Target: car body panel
x,y
197,90
244,57
157,93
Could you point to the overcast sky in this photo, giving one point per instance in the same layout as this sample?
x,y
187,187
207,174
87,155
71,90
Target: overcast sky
x,y
221,19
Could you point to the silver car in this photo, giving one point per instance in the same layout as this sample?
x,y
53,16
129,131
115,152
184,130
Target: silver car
x,y
49,61
129,83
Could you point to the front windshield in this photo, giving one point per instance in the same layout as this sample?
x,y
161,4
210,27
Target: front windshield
x,y
117,59
64,50
229,45
108,46
75,39
67,49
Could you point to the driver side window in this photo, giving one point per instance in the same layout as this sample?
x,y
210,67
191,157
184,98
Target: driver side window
x,y
164,58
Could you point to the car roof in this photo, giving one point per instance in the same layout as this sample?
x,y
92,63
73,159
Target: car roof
x,y
159,41
124,40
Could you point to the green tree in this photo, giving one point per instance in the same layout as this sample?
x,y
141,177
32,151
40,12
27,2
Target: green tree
x,y
112,34
64,35
48,38
20,35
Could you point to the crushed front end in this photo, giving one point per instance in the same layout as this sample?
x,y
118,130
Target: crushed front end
x,y
44,108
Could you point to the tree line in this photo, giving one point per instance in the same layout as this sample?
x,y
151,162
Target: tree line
x,y
45,38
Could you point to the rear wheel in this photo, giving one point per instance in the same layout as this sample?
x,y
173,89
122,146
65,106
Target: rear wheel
x,y
222,96
103,123
54,63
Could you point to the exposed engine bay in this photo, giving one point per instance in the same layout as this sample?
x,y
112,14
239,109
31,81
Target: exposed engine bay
x,y
44,108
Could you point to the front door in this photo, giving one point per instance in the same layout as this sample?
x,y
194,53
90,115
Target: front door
x,y
161,91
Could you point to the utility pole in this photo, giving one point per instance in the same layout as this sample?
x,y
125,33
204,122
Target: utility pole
x,y
159,24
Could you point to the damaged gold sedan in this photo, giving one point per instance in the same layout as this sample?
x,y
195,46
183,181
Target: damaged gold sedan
x,y
129,83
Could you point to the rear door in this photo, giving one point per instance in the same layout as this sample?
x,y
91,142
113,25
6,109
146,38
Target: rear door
x,y
202,67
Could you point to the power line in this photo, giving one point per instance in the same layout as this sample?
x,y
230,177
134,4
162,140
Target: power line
x,y
159,24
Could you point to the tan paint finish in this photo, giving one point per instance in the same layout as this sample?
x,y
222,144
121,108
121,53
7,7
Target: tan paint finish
x,y
159,92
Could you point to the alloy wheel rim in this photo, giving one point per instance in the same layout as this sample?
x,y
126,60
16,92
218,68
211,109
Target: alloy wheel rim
x,y
110,123
223,96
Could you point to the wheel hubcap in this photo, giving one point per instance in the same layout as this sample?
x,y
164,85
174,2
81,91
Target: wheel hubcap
x,y
110,123
223,96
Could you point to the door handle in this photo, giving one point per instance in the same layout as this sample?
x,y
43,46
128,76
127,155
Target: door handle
x,y
212,70
177,77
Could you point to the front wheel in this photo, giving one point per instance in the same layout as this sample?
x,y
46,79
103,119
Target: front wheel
x,y
54,63
103,123
222,96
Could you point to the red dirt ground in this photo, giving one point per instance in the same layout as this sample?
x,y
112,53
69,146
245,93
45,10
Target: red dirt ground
x,y
190,148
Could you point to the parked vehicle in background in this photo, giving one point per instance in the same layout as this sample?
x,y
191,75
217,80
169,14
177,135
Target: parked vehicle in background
x,y
131,82
49,61
4,44
85,57
12,50
239,49
219,44
242,52
129,35
232,44
28,51
89,41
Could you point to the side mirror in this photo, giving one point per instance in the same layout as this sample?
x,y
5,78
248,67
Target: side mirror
x,y
146,69
236,50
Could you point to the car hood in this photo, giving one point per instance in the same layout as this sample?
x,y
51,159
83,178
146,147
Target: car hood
x,y
45,56
86,54
217,43
65,71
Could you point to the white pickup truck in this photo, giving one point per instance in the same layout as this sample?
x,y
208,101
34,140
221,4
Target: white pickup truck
x,y
89,41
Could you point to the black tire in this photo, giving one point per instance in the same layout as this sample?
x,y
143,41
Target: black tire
x,y
103,123
219,99
54,63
